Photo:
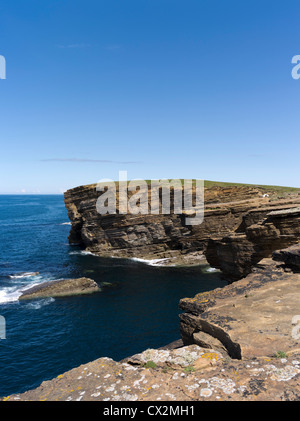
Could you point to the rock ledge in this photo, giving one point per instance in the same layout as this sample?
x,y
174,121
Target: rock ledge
x,y
61,288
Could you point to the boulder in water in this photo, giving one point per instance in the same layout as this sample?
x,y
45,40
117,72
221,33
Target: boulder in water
x,y
61,288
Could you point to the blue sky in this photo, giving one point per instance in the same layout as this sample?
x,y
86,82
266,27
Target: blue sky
x,y
160,88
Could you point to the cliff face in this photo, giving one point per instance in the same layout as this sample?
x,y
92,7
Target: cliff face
x,y
262,232
241,342
144,236
238,230
153,236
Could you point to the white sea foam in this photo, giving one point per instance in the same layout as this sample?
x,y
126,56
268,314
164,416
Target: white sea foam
x,y
83,253
12,293
36,305
9,294
23,275
151,262
212,270
65,223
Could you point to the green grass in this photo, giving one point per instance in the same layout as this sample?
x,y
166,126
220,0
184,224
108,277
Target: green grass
x,y
277,189
267,188
189,369
150,364
280,354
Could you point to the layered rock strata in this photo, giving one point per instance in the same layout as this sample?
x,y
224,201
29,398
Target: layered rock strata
x,y
236,211
262,231
290,256
251,317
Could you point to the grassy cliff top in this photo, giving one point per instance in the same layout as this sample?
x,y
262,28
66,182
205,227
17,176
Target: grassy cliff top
x,y
223,184
278,189
283,189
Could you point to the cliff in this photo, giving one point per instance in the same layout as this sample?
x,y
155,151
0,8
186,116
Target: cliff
x,y
262,231
238,230
251,317
240,343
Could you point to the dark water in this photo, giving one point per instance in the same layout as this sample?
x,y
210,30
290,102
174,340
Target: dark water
x,y
136,309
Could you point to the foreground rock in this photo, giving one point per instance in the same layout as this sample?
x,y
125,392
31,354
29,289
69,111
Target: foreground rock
x,y
240,343
61,288
251,317
190,373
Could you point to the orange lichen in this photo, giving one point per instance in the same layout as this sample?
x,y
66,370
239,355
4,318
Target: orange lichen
x,y
210,355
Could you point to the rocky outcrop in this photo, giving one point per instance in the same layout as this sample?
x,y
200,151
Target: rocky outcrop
x,y
144,236
61,288
228,210
251,317
289,256
239,343
262,231
190,373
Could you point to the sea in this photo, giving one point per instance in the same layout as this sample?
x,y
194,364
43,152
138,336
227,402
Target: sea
x,y
136,308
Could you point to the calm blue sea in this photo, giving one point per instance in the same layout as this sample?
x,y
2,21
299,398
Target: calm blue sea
x,y
136,309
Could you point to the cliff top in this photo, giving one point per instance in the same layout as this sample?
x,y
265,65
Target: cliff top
x,y
209,184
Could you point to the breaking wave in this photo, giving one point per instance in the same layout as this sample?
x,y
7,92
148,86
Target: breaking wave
x,y
11,293
82,253
36,305
150,262
21,275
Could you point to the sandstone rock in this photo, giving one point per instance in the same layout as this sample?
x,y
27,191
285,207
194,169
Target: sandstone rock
x,y
251,317
227,210
255,354
263,232
60,288
205,340
184,356
207,379
290,256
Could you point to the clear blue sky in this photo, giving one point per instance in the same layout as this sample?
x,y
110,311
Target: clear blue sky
x,y
160,88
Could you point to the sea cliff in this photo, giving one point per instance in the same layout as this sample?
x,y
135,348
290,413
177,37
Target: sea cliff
x,y
241,342
242,225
